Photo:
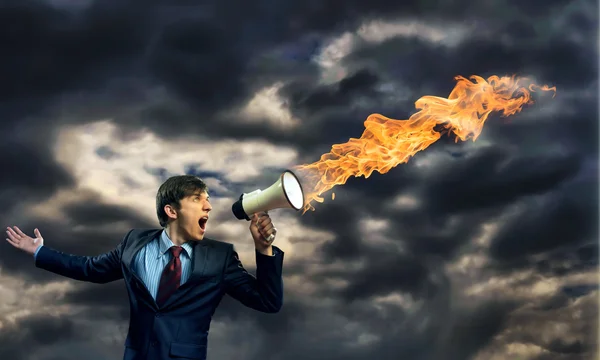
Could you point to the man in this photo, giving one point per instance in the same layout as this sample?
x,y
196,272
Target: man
x,y
175,277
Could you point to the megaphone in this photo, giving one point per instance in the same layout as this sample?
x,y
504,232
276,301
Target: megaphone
x,y
286,192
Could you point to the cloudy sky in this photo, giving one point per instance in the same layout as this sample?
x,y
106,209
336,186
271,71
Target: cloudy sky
x,y
482,250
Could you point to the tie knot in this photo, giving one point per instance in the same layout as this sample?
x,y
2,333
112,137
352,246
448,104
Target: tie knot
x,y
176,250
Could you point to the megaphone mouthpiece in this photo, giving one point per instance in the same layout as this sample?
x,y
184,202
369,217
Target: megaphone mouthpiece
x,y
286,192
238,209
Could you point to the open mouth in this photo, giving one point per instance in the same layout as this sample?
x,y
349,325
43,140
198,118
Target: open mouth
x,y
202,222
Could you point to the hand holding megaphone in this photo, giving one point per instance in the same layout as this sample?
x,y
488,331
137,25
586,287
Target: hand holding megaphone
x,y
286,192
262,229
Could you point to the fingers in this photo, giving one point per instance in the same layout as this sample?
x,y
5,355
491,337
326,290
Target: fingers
x,y
267,231
260,220
12,242
13,238
260,215
12,234
19,231
264,225
37,233
263,220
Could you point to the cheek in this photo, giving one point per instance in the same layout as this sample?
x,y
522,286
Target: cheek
x,y
188,221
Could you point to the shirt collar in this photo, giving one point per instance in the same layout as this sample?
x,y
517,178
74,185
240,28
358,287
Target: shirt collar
x,y
165,244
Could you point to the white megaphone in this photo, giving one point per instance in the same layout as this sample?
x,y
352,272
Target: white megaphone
x,y
286,192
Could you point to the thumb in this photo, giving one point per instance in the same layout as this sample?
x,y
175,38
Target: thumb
x,y
37,233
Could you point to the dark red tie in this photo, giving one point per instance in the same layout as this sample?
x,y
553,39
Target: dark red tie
x,y
170,278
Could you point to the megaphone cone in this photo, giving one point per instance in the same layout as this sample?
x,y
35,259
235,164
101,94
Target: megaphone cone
x,y
286,192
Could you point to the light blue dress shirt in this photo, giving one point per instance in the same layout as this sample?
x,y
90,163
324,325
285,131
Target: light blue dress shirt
x,y
152,259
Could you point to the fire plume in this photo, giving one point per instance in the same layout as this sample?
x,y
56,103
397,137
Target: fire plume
x,y
386,143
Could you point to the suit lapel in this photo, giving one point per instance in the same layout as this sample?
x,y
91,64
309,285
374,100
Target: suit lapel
x,y
131,252
199,260
129,258
199,264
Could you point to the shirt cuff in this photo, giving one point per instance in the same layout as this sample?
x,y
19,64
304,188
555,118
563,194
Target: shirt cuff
x,y
36,252
276,251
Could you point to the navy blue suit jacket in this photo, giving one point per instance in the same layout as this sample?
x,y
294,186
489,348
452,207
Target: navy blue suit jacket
x,y
178,329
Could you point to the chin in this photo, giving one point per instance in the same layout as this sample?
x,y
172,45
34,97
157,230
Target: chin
x,y
195,235
199,235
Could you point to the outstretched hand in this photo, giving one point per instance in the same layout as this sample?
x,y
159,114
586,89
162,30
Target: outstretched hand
x,y
24,242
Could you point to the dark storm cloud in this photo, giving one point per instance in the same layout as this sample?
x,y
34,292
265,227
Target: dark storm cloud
x,y
565,220
475,187
196,56
389,272
337,95
46,330
102,301
35,331
276,329
183,47
474,328
97,213
404,336
51,50
200,51
30,171
431,331
436,235
496,177
342,219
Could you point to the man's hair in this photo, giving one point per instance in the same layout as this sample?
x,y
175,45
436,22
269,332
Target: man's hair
x,y
173,190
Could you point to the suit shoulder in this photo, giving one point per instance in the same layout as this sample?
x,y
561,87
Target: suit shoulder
x,y
139,233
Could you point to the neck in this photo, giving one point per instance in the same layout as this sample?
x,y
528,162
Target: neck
x,y
175,236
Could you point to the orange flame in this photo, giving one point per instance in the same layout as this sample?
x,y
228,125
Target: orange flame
x,y
386,142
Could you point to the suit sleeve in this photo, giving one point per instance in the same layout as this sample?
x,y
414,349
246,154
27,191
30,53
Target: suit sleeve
x,y
97,269
263,292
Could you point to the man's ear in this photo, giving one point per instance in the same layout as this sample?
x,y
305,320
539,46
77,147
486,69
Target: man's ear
x,y
171,211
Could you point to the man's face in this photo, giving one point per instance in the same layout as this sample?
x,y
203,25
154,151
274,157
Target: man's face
x,y
192,216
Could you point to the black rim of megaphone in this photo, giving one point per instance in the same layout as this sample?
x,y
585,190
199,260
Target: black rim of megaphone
x,y
299,184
